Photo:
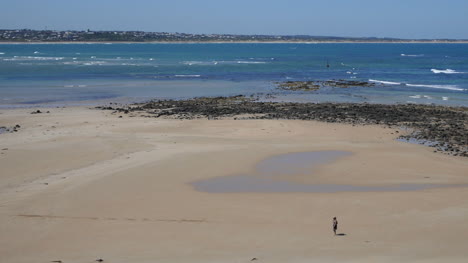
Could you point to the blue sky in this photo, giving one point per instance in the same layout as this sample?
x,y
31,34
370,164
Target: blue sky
x,y
357,18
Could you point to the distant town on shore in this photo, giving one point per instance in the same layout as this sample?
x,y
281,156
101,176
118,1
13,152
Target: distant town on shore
x,y
28,35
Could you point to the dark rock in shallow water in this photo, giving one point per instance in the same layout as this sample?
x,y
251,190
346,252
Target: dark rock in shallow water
x,y
318,84
446,128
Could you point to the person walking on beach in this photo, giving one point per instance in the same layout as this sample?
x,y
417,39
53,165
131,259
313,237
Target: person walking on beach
x,y
335,225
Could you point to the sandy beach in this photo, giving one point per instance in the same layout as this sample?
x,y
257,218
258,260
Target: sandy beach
x,y
79,184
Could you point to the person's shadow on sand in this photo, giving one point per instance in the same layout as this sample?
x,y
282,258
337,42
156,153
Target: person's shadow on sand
x,y
341,234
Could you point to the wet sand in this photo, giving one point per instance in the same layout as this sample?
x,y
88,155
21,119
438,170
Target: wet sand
x,y
77,185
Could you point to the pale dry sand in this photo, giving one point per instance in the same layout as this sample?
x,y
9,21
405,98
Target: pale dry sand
x,y
79,184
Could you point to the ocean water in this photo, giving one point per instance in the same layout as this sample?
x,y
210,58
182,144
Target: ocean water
x,y
34,75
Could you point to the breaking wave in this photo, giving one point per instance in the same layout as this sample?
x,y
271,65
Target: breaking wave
x,y
384,82
447,87
23,58
447,71
408,55
250,62
187,76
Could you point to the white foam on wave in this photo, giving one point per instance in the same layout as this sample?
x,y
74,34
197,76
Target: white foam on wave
x,y
408,55
23,58
447,87
445,98
384,82
421,96
187,76
36,52
2,53
73,86
94,63
250,62
190,63
446,71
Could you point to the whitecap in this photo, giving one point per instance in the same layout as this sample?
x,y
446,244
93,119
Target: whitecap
x,y
190,63
446,71
447,87
415,96
187,76
445,98
94,63
2,53
82,86
418,55
23,58
384,82
250,62
36,52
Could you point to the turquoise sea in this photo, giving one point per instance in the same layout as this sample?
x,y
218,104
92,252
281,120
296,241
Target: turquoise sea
x,y
33,75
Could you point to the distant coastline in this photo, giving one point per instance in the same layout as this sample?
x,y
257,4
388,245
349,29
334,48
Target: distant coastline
x,y
232,42
20,36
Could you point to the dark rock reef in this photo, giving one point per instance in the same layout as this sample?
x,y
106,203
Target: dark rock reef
x,y
314,85
446,128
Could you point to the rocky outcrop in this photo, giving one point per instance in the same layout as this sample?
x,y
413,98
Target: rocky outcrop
x,y
445,127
